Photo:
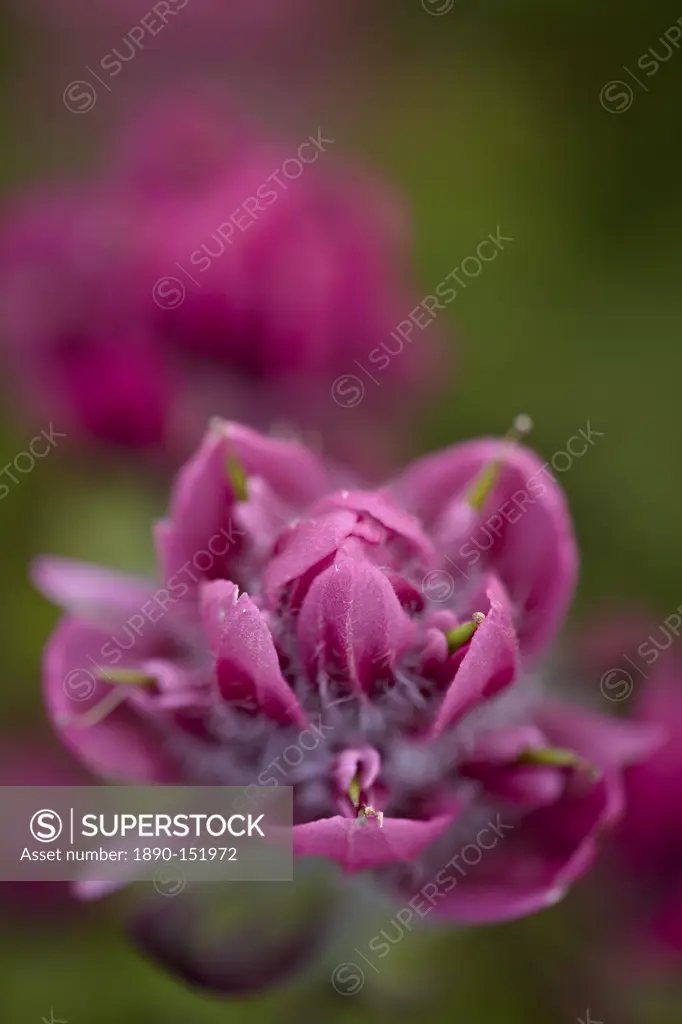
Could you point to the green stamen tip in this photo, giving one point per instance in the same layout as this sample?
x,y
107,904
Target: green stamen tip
x,y
354,791
126,677
236,474
484,485
489,475
557,757
461,635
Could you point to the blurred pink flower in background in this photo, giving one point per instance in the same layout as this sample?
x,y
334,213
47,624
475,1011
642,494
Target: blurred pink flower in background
x,y
209,270
235,30
633,656
649,842
322,50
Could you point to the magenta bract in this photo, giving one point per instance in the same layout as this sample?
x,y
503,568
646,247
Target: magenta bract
x,y
378,651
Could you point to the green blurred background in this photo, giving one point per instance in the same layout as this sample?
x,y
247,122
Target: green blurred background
x,y
487,115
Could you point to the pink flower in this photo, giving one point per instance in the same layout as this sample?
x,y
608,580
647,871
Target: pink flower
x,y
208,271
648,844
389,637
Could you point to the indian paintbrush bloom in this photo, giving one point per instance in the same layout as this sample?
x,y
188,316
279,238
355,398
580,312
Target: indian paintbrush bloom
x,y
648,843
624,655
635,657
377,650
207,269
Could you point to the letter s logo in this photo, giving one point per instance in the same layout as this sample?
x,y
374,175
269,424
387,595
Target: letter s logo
x,y
46,826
